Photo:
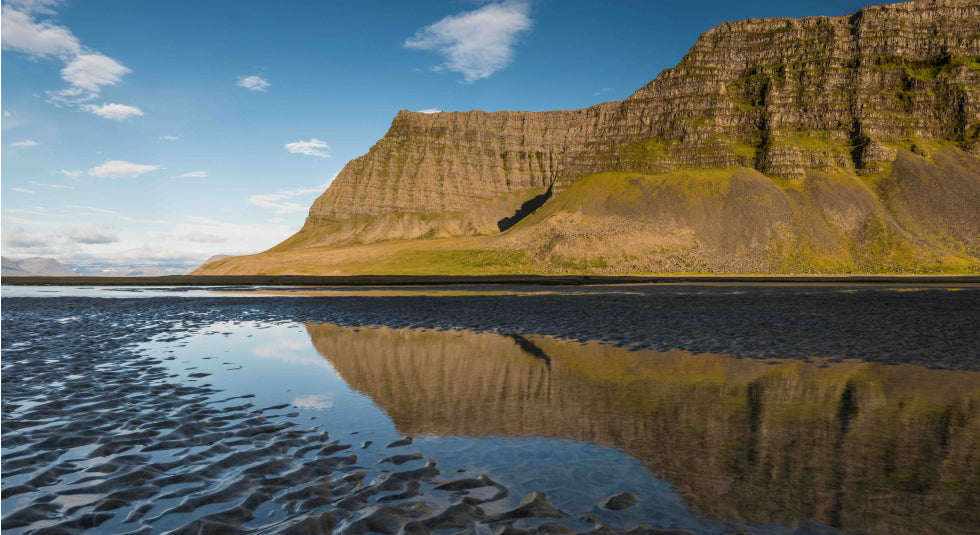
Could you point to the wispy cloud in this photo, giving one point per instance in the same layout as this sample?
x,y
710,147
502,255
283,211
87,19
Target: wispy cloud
x,y
310,148
195,174
169,138
318,402
476,43
253,83
203,237
277,202
46,185
93,209
25,143
121,169
24,190
429,110
74,175
116,112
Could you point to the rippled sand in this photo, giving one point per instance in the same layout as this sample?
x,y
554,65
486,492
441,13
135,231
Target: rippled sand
x,y
99,435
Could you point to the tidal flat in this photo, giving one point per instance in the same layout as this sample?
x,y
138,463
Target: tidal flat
x,y
504,409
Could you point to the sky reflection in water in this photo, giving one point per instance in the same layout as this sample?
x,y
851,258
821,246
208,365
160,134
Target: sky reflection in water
x,y
860,446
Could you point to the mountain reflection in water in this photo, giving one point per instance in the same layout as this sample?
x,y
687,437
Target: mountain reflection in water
x,y
863,447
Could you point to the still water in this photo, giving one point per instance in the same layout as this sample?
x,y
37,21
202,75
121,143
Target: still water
x,y
705,442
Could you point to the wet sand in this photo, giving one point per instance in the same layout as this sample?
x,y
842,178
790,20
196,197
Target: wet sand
x,y
432,280
91,426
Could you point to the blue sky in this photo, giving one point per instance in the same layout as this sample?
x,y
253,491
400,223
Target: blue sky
x,y
159,133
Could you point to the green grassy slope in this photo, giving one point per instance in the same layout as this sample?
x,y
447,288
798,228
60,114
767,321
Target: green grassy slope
x,y
919,216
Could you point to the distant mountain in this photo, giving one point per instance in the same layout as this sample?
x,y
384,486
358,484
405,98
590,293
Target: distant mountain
x,y
37,266
817,145
12,269
128,271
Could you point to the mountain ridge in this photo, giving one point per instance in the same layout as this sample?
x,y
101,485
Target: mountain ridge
x,y
888,96
35,266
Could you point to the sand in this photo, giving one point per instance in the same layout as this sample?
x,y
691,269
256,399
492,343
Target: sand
x,y
92,429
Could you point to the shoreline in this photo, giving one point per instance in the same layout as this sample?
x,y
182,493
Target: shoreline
x,y
446,280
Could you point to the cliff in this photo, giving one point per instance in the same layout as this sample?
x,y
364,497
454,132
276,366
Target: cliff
x,y
860,134
785,96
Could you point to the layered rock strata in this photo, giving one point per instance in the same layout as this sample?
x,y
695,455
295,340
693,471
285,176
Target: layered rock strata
x,y
450,162
860,133
788,95
781,95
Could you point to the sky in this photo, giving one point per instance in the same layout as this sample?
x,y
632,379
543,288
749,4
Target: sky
x,y
159,133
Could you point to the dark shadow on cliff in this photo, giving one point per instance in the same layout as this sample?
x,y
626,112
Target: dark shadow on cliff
x,y
525,210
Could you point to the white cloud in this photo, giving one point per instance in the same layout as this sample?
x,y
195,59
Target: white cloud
x,y
23,190
169,138
86,70
275,201
25,143
19,31
314,401
74,175
90,236
429,110
476,43
91,71
23,239
121,169
71,96
45,185
93,209
309,148
35,6
195,174
253,83
203,237
116,112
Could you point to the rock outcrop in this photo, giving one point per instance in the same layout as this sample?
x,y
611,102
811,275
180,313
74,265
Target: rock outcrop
x,y
786,99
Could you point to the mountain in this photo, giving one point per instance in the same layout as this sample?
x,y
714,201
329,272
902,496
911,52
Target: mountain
x,y
215,258
814,145
37,266
13,269
108,270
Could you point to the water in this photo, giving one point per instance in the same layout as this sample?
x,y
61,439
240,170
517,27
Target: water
x,y
222,417
431,374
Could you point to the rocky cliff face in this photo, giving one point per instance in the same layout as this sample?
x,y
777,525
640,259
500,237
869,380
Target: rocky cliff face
x,y
449,162
859,136
781,95
788,95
